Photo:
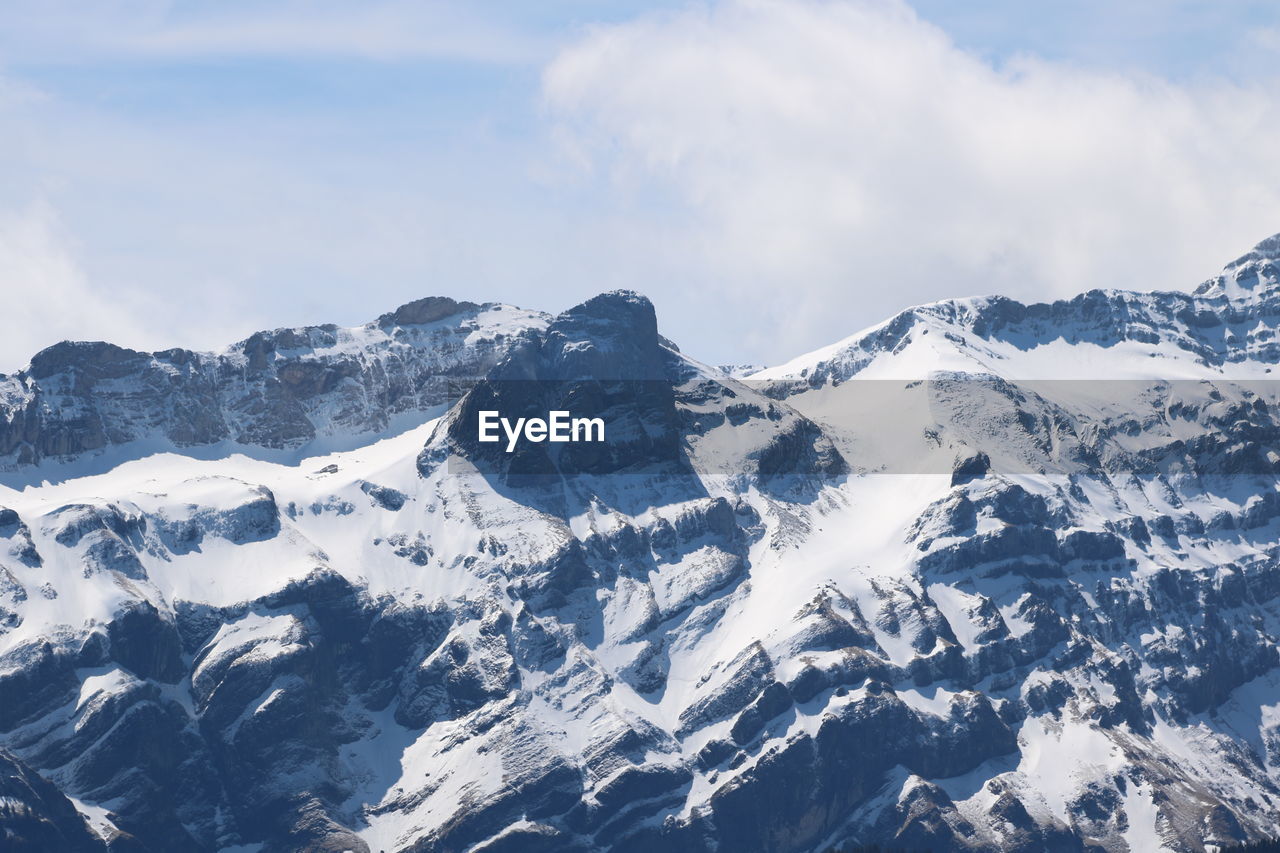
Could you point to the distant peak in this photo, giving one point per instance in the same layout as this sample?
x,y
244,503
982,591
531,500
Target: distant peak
x,y
1267,250
613,300
97,355
625,308
426,310
1255,271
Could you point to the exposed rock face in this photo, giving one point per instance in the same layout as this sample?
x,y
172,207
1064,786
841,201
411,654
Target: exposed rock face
x,y
274,390
725,630
603,359
35,816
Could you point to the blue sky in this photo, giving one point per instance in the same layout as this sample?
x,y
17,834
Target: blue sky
x,y
185,173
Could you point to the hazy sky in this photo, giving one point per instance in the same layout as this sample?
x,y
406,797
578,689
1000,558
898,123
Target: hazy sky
x,y
774,174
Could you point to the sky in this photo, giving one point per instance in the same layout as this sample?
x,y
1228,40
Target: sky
x,y
774,174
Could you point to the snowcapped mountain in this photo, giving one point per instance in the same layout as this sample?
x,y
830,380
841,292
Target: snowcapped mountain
x,y
988,576
1227,327
283,390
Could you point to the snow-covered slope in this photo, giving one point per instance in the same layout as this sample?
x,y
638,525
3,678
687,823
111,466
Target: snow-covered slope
x,y
924,588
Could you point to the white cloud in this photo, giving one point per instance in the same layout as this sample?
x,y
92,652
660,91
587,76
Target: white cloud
x,y
47,296
840,161
1267,38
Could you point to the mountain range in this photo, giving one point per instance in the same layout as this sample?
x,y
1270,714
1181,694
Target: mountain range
x,y
986,576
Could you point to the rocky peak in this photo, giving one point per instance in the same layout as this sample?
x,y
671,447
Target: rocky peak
x,y
1253,275
602,358
1267,250
276,390
96,359
610,336
426,310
